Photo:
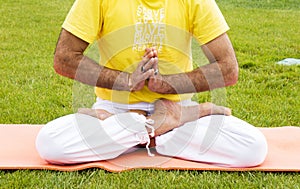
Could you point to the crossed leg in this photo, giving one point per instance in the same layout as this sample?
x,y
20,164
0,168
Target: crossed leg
x,y
168,114
186,132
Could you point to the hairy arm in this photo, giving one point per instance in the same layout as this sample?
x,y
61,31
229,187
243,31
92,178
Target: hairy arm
x,y
221,72
69,61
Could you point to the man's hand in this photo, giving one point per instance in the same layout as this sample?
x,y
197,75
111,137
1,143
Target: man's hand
x,y
144,70
156,81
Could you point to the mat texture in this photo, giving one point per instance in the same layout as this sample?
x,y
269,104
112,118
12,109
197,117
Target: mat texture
x,y
17,151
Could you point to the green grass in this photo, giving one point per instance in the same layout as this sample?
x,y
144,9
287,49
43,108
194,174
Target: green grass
x,y
95,178
267,94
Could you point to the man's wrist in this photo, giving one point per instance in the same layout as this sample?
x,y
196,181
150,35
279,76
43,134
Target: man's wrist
x,y
126,81
173,84
167,86
129,82
122,82
160,84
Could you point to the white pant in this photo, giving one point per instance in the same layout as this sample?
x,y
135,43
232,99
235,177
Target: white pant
x,y
217,139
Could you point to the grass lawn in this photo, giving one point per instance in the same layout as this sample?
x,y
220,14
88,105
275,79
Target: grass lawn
x,y
267,94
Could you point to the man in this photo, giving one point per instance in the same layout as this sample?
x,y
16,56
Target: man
x,y
144,84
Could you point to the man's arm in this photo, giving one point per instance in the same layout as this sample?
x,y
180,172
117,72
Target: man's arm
x,y
221,72
69,61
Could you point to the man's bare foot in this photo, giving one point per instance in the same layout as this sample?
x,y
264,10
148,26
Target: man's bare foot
x,y
169,115
97,113
209,108
166,116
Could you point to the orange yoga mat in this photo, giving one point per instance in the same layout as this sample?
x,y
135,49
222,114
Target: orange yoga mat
x,y
17,151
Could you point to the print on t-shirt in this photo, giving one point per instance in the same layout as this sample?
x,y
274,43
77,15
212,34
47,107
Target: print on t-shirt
x,y
149,28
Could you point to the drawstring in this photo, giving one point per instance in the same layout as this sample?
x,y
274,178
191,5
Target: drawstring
x,y
149,124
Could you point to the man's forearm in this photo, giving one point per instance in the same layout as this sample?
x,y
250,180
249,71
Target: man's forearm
x,y
91,73
70,62
221,72
87,71
204,78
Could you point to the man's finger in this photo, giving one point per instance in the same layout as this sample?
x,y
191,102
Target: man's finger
x,y
155,54
155,66
149,54
227,111
144,63
146,75
147,50
220,110
148,65
102,114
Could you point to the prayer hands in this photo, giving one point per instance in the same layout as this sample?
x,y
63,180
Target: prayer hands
x,y
145,69
156,81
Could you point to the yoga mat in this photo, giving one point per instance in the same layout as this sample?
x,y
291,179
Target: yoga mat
x,y
17,151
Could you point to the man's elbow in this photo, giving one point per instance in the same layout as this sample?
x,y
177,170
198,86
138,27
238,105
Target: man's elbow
x,y
233,78
59,63
232,74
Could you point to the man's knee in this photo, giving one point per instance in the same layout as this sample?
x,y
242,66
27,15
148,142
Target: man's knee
x,y
248,144
55,139
78,138
235,144
48,148
253,153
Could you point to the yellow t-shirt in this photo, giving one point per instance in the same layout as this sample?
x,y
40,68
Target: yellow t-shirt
x,y
123,29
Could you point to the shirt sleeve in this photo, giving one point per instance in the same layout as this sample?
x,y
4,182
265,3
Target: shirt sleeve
x,y
207,21
84,20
